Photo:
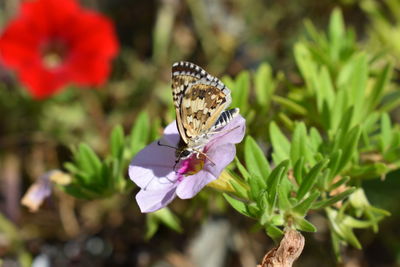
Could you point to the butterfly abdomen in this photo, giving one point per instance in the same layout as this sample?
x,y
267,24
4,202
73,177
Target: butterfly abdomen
x,y
225,118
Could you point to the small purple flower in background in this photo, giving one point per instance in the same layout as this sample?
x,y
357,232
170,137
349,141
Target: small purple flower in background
x,y
152,168
42,188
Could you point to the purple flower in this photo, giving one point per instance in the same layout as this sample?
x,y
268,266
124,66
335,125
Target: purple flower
x,y
42,188
153,168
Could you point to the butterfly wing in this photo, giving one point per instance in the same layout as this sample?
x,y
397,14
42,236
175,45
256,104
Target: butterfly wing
x,y
184,74
201,106
199,100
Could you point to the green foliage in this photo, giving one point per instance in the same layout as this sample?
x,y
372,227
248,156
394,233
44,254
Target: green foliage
x,y
342,135
327,135
163,216
98,178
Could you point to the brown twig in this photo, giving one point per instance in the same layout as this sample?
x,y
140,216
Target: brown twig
x,y
287,252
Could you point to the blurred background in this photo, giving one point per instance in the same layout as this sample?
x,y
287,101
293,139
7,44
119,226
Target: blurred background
x,y
224,37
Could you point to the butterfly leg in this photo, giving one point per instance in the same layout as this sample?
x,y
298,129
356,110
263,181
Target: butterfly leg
x,y
198,153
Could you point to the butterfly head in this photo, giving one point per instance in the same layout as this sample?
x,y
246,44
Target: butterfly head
x,y
183,153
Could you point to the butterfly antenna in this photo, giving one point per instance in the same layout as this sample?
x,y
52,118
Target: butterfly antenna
x,y
159,143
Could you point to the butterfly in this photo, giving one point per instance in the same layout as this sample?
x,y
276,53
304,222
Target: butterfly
x,y
200,103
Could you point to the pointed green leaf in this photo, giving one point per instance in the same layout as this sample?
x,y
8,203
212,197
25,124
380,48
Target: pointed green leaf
x,y
310,179
117,142
376,94
169,219
386,132
274,181
245,174
330,201
140,132
237,205
274,232
240,91
280,143
87,159
349,147
264,84
290,105
255,159
305,205
336,33
300,144
298,170
304,225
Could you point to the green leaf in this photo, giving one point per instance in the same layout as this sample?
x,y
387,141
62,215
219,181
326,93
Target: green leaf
x,y
324,89
274,181
358,85
152,225
117,142
329,202
274,232
255,159
283,196
335,239
300,145
386,132
140,133
316,139
290,105
280,144
298,170
245,174
302,208
87,159
168,218
310,179
240,190
381,83
257,184
340,104
76,191
237,205
344,231
369,171
264,85
240,92
349,147
334,163
304,225
304,62
336,33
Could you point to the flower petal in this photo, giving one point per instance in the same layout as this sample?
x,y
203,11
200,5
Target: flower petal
x,y
37,192
232,133
150,201
221,155
86,40
171,134
192,184
152,167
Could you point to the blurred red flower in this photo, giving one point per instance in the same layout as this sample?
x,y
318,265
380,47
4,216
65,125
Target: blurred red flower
x,y
56,42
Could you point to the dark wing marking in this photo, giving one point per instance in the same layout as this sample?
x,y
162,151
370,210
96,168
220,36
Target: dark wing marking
x,y
225,118
183,75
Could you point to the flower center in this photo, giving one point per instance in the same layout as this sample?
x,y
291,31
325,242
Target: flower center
x,y
53,54
191,166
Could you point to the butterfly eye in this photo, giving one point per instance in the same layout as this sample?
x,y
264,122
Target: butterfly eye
x,y
185,153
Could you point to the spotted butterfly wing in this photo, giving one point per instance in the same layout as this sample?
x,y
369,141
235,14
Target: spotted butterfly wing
x,y
199,100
